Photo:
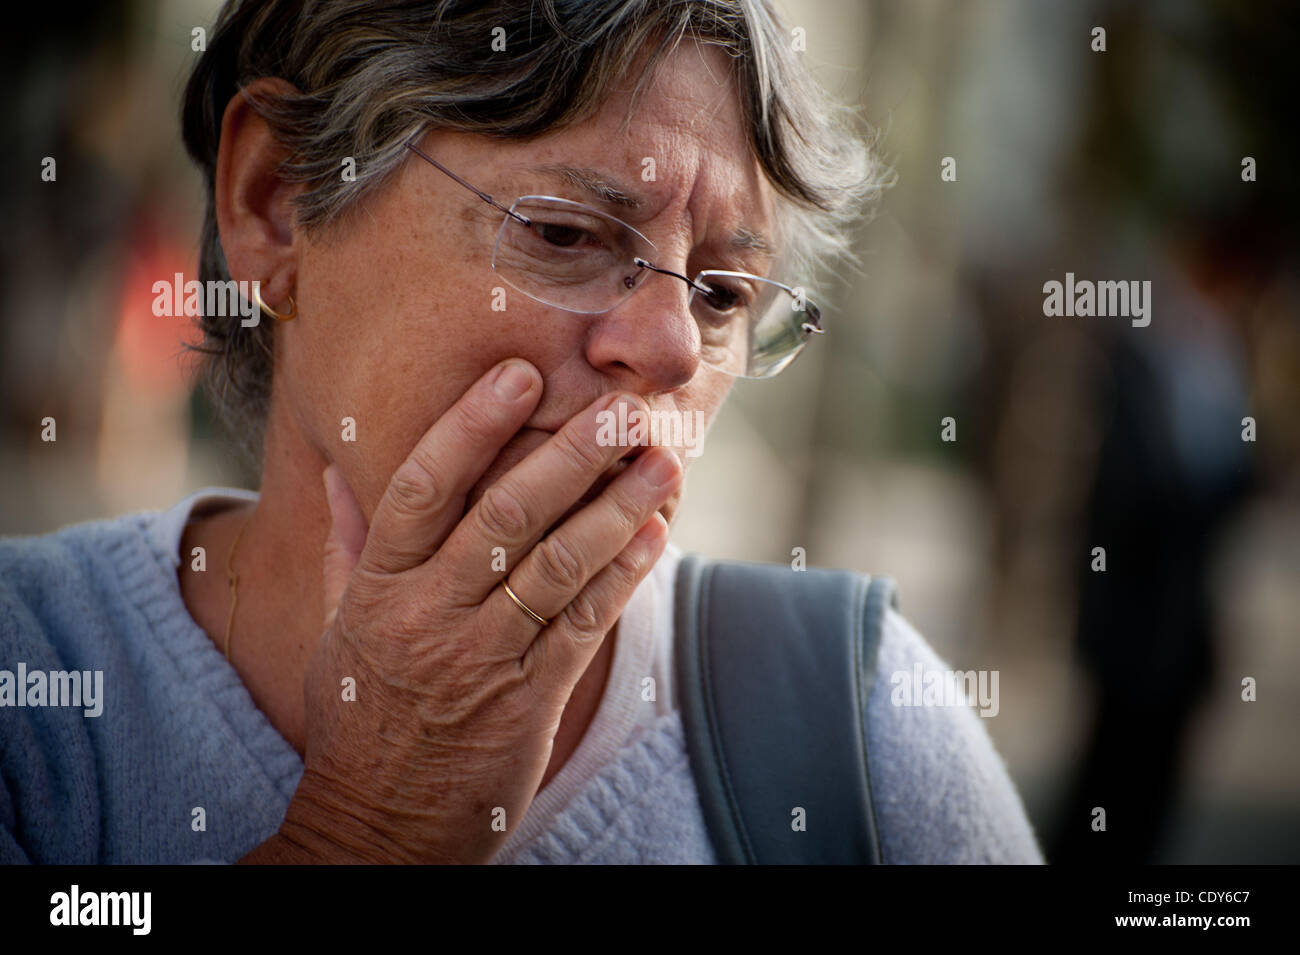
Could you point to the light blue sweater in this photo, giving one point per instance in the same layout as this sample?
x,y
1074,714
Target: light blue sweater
x,y
179,733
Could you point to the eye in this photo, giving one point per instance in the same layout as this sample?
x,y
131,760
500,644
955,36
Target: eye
x,y
723,298
559,235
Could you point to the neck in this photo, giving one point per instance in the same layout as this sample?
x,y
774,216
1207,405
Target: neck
x,y
279,614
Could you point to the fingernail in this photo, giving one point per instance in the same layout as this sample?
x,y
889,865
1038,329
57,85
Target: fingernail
x,y
513,380
658,467
624,398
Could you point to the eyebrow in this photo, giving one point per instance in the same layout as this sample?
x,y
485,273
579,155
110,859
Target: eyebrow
x,y
602,187
747,238
608,189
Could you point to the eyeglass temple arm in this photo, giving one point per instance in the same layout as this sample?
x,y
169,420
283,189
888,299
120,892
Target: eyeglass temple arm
x,y
478,192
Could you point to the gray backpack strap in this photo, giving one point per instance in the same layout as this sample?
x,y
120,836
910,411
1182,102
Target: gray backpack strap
x,y
773,669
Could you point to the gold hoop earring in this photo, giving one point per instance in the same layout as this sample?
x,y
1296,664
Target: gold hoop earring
x,y
293,306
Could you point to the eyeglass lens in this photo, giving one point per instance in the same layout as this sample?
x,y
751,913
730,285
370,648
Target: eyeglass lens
x,y
579,259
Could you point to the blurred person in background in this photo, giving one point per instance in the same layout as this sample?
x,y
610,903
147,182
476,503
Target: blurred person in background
x,y
1180,417
1166,485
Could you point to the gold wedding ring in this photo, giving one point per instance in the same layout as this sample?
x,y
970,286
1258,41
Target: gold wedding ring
x,y
524,607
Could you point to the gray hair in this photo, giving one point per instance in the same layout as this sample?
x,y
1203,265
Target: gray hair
x,y
371,73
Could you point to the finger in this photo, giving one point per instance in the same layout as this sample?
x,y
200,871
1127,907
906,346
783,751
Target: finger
x,y
516,511
426,495
552,573
561,653
347,537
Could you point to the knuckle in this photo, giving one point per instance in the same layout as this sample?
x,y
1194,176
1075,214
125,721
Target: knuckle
x,y
628,565
415,487
558,565
583,452
501,514
583,617
473,422
629,511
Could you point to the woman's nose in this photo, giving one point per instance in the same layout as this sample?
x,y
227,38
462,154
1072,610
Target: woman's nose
x,y
650,341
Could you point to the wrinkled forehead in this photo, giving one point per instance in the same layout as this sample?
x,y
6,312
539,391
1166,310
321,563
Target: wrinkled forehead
x,y
669,144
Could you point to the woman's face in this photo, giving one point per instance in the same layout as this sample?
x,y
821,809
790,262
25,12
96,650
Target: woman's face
x,y
396,306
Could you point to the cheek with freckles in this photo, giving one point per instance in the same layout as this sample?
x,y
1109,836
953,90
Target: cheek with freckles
x,y
389,343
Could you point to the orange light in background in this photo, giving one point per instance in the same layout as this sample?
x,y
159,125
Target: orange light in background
x,y
145,430
149,347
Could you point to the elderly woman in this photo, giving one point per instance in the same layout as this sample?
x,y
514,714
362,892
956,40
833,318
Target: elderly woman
x,y
475,230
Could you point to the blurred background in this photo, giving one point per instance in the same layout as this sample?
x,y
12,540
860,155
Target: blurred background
x,y
1121,689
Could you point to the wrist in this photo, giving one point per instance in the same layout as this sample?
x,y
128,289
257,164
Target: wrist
x,y
321,829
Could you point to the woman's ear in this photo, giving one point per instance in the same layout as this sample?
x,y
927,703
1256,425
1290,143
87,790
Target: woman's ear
x,y
255,214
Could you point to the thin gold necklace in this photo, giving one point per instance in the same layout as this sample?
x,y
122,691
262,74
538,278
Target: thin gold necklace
x,y
234,582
